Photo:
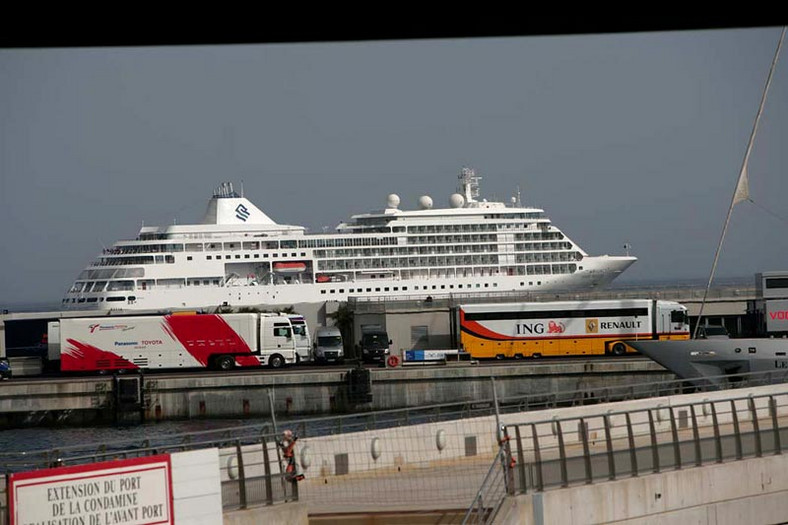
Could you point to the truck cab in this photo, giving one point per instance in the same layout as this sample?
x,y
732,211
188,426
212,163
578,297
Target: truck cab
x,y
374,346
277,344
302,339
328,345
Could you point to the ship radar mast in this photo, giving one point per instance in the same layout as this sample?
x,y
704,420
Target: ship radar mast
x,y
469,185
225,190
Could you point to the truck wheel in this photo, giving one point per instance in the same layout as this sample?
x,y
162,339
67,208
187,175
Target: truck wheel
x,y
276,361
298,359
619,349
225,362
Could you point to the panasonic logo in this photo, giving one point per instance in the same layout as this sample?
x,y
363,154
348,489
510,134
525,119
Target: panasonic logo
x,y
126,343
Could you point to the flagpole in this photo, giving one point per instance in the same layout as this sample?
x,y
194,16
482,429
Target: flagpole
x,y
742,191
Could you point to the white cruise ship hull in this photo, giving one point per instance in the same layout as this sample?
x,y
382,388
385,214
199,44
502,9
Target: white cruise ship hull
x,y
239,257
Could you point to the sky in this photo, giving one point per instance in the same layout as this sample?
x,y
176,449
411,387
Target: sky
x,y
631,138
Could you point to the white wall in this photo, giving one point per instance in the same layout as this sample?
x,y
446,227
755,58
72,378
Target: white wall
x,y
196,487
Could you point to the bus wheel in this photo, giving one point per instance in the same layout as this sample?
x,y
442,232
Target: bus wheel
x,y
619,349
499,357
536,355
276,361
518,356
225,362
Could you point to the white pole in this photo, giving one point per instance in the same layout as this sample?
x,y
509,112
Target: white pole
x,y
741,192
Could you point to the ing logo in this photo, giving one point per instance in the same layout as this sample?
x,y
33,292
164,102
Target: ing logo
x,y
592,326
242,212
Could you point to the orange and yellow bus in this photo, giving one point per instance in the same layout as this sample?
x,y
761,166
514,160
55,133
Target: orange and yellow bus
x,y
567,327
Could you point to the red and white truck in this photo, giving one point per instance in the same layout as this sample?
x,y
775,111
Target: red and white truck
x,y
217,341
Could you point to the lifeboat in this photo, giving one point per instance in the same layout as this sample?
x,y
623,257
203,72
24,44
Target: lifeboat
x,y
289,267
323,278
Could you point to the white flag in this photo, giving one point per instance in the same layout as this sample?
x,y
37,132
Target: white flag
x,y
742,192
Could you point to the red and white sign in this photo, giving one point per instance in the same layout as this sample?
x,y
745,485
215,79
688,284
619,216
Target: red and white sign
x,y
125,492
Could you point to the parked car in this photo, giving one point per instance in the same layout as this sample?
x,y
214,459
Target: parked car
x,y
713,332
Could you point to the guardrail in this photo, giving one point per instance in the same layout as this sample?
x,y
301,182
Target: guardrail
x,y
261,481
562,452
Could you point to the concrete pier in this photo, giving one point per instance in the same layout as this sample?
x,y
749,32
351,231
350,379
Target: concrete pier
x,y
304,392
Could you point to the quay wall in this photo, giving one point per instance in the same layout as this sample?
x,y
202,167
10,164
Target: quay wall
x,y
747,491
307,392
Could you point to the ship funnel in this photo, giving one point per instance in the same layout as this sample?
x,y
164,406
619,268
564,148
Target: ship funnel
x,y
227,207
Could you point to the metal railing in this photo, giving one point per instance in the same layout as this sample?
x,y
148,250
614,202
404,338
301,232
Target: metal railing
x,y
244,481
497,484
562,452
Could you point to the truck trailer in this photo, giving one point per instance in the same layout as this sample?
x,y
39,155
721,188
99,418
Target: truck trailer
x,y
567,328
175,341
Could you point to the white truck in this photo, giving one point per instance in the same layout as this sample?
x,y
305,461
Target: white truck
x,y
217,341
302,340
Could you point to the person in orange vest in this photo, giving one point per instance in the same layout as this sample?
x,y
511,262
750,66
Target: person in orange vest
x,y
287,444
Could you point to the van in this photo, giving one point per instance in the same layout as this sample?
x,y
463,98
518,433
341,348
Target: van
x,y
328,345
374,346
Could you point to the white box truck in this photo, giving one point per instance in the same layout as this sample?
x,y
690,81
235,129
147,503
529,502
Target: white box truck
x,y
220,342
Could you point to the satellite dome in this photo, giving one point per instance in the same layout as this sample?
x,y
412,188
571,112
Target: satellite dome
x,y
425,202
392,201
456,200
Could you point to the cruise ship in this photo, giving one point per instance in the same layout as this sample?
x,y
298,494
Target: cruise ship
x,y
239,257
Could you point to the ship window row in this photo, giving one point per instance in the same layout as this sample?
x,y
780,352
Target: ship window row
x,y
252,256
250,245
406,262
413,250
533,246
525,215
466,238
539,236
143,248
125,261
405,288
467,228
346,241
110,273
549,257
439,239
100,286
427,262
453,228
449,249
548,269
